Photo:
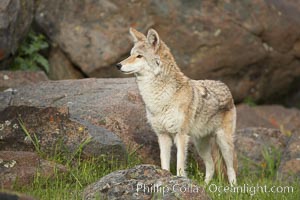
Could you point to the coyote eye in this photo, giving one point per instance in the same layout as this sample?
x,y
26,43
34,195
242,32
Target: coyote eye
x,y
139,56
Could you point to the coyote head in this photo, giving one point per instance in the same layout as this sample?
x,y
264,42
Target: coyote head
x,y
144,58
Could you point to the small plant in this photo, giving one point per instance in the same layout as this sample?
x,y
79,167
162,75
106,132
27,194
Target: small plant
x,y
271,162
249,101
34,140
285,131
28,55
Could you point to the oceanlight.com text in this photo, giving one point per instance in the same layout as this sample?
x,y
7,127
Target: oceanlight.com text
x,y
250,189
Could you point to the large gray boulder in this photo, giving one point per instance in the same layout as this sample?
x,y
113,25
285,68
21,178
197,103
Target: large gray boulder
x,y
15,20
253,46
144,182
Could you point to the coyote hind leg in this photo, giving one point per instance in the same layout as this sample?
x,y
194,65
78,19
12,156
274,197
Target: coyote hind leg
x,y
203,147
224,139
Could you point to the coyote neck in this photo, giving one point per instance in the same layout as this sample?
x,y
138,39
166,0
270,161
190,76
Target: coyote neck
x,y
158,91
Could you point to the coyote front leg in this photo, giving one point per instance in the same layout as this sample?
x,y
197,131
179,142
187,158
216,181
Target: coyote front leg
x,y
165,144
181,142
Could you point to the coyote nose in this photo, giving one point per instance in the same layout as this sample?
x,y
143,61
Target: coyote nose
x,y
119,65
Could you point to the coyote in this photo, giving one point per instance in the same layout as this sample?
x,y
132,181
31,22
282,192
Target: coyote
x,y
180,109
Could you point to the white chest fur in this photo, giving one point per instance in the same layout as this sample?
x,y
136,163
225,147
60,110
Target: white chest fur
x,y
163,114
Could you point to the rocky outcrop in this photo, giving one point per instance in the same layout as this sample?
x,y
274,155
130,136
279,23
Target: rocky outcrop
x,y
253,46
14,79
49,130
15,20
20,168
144,182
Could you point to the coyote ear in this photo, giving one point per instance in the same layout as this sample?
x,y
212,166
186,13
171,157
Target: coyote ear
x,y
136,36
153,39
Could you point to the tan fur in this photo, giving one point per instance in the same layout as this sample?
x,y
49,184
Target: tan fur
x,y
179,108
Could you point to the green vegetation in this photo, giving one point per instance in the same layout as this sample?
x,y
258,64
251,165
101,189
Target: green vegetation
x,y
249,101
252,184
272,157
28,55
